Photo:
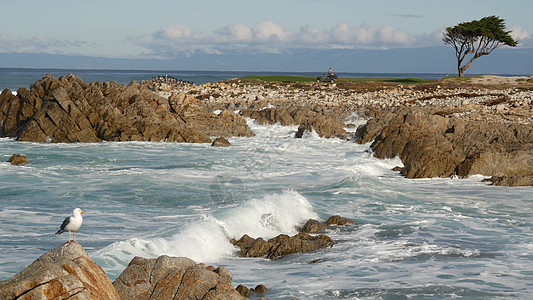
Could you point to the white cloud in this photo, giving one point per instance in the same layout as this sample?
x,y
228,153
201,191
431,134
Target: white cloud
x,y
40,44
237,32
267,36
519,33
390,35
343,34
270,31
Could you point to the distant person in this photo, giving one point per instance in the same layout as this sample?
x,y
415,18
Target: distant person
x,y
330,72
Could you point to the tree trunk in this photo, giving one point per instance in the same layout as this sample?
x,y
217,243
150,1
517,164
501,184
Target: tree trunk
x,y
461,70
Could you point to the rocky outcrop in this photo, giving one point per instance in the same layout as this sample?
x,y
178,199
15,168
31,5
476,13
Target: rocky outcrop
x,y
432,143
66,272
197,115
69,110
165,83
17,159
324,122
174,278
338,221
281,245
313,226
511,180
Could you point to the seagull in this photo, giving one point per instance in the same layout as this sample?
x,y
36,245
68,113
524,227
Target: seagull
x,y
72,223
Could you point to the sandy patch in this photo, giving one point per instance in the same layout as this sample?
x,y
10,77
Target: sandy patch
x,y
492,79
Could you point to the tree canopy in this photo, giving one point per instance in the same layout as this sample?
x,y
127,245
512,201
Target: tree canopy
x,y
478,37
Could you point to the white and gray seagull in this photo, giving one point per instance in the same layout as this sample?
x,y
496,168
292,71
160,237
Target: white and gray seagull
x,y
72,223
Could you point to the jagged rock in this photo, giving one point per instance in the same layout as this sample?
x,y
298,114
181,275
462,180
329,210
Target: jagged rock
x,y
221,142
431,145
338,220
511,180
397,169
313,226
300,243
325,123
244,242
329,127
69,110
17,159
257,248
195,112
174,278
66,272
281,245
302,129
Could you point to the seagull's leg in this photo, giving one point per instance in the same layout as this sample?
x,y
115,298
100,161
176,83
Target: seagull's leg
x,y
74,233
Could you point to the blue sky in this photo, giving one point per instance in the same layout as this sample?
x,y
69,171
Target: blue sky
x,y
170,29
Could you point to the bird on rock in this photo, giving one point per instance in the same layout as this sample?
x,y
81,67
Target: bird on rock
x,y
72,223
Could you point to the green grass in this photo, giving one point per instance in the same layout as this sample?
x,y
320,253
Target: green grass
x,y
280,78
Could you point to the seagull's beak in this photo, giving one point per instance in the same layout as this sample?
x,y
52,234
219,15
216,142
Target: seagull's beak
x,y
82,212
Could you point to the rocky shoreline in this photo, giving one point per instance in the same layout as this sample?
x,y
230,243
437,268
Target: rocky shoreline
x,y
67,272
445,128
451,127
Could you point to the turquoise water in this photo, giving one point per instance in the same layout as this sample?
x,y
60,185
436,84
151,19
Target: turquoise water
x,y
413,239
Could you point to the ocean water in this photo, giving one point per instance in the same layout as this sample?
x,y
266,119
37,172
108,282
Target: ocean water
x,y
13,78
443,238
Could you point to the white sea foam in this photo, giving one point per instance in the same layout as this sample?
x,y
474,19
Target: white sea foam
x,y
208,239
149,199
268,216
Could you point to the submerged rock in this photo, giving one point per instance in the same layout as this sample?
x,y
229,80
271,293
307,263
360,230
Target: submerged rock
x,y
511,180
313,226
338,220
17,159
260,289
281,245
221,142
243,290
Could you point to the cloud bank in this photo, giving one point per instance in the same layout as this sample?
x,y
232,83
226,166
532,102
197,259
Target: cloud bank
x,y
177,40
40,44
269,37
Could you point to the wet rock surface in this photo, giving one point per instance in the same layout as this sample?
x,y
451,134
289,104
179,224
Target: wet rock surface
x,y
18,159
220,142
281,245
